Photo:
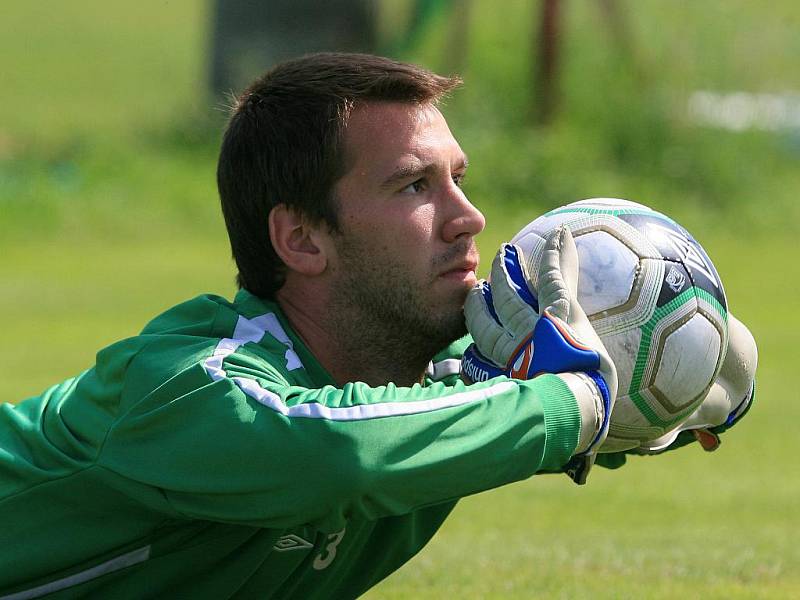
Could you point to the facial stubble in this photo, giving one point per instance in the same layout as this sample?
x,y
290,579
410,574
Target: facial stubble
x,y
384,315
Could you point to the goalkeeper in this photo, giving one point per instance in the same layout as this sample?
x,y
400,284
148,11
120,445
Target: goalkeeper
x,y
309,437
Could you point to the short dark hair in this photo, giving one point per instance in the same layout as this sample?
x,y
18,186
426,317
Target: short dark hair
x,y
283,144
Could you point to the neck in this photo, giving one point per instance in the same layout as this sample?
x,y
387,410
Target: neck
x,y
348,347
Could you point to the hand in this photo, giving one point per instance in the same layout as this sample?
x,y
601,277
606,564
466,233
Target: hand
x,y
512,337
728,399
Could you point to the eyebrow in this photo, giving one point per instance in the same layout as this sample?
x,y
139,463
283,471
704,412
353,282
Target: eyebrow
x,y
414,170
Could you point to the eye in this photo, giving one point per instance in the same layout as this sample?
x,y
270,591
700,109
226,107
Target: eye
x,y
458,179
414,188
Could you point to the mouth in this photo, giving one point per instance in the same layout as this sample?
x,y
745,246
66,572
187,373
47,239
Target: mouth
x,y
462,271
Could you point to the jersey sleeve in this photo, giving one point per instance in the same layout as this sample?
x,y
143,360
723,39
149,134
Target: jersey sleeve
x,y
241,444
446,364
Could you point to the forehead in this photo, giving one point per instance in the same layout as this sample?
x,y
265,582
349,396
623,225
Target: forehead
x,y
381,135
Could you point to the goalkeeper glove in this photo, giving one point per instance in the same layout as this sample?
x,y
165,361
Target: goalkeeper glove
x,y
727,401
513,337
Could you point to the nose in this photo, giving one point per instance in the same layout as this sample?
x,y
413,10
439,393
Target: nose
x,y
463,217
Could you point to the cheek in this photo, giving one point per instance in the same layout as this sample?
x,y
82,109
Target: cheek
x,y
408,227
419,224
407,233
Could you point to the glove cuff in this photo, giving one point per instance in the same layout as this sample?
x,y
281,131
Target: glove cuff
x,y
475,367
606,418
594,402
738,412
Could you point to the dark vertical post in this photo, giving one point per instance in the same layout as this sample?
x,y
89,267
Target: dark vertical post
x,y
249,36
546,53
621,34
457,46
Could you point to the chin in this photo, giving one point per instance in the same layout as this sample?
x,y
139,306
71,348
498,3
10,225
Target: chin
x,y
449,328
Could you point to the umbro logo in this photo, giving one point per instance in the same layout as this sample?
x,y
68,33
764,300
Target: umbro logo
x,y
289,542
676,280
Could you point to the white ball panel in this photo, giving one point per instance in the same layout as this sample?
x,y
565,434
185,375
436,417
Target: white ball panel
x,y
629,422
668,323
648,284
688,361
622,348
626,234
607,271
629,427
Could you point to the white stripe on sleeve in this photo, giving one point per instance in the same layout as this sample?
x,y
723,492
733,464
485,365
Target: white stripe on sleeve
x,y
254,329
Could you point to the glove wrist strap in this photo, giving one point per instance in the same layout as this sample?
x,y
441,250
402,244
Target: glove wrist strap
x,y
477,368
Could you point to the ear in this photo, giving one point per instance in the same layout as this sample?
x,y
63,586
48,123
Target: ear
x,y
297,242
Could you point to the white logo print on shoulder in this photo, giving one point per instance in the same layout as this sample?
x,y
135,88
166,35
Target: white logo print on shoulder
x,y
252,330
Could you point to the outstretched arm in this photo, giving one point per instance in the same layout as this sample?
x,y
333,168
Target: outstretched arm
x,y
263,452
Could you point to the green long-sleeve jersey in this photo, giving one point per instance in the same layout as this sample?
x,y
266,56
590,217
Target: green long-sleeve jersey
x,y
212,456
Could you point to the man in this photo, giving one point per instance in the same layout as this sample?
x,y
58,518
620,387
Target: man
x,y
308,438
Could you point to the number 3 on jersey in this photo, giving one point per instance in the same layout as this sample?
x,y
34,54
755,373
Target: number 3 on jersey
x,y
325,558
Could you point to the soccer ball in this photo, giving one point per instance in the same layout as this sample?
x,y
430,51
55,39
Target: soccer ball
x,y
656,301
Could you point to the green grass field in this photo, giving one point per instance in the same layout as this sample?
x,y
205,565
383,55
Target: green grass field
x,y
108,215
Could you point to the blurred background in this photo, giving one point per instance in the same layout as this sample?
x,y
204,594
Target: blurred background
x,y
110,120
